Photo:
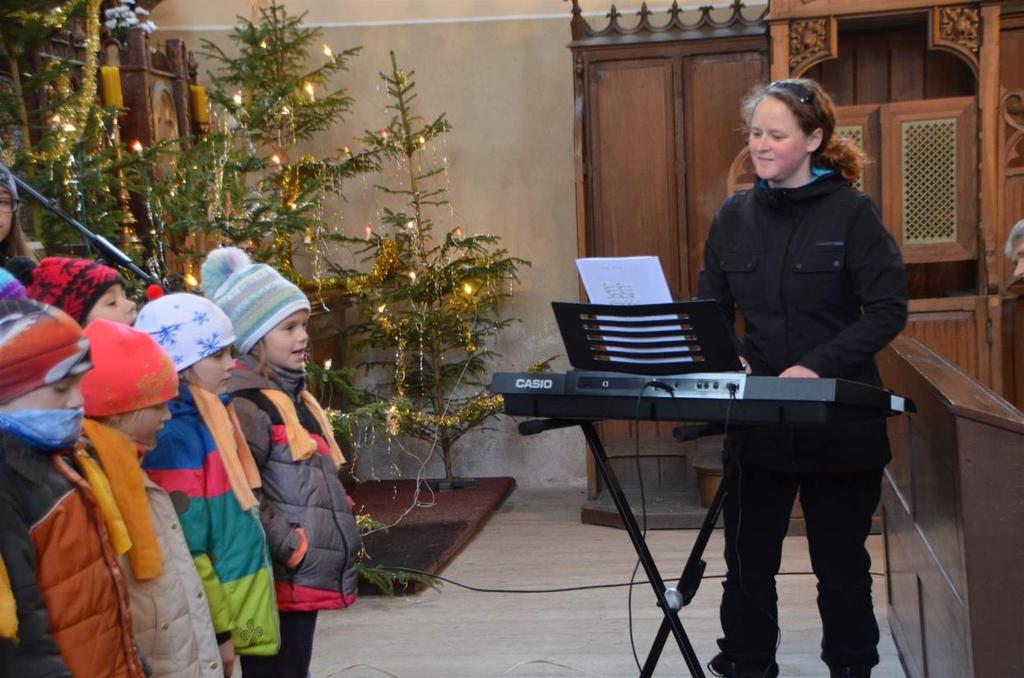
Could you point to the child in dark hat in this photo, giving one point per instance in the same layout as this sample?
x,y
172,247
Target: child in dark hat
x,y
84,289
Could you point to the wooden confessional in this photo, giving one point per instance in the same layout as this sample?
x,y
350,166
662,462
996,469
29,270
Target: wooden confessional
x,y
934,92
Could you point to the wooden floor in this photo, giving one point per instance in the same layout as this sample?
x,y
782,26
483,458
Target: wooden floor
x,y
536,540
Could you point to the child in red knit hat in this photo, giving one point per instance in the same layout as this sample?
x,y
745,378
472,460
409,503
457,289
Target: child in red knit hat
x,y
125,408
86,290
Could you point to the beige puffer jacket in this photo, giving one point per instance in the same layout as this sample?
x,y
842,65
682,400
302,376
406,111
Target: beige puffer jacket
x,y
170,615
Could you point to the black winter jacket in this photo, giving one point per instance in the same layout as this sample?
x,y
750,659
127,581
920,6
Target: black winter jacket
x,y
820,283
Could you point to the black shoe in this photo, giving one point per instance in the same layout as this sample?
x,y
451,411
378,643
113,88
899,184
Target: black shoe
x,y
850,672
726,667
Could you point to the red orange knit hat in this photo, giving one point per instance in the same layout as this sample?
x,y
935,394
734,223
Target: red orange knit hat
x,y
39,346
72,285
131,371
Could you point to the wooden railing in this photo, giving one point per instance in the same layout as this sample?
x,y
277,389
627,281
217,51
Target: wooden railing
x,y
953,512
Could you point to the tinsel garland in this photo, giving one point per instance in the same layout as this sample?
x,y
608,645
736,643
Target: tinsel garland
x,y
385,263
74,115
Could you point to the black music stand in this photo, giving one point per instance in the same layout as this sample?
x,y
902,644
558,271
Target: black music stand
x,y
656,340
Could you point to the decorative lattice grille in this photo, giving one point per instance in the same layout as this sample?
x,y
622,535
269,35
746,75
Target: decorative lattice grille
x,y
856,134
929,181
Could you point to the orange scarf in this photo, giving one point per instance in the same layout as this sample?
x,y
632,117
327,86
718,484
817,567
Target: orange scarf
x,y
222,422
119,456
299,440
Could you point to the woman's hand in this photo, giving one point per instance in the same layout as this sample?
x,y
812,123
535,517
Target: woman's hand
x,y
798,372
746,365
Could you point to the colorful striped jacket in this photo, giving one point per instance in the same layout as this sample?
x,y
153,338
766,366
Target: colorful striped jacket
x,y
227,542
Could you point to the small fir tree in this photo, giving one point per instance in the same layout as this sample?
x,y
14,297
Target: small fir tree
x,y
271,194
430,305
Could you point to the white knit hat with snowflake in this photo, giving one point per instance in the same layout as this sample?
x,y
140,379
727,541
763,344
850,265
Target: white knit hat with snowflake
x,y
188,327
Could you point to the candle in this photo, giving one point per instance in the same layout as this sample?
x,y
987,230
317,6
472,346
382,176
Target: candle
x,y
200,105
112,95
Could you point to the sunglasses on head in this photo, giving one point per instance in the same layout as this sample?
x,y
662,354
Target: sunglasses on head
x,y
803,95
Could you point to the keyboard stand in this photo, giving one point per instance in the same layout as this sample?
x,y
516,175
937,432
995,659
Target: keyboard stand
x,y
670,600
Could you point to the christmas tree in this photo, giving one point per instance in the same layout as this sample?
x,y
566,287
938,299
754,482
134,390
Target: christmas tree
x,y
263,194
430,303
53,130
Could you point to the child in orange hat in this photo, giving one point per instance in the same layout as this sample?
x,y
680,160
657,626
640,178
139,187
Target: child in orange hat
x,y
126,396
64,609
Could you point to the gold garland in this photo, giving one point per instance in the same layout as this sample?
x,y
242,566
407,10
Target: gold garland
x,y
385,264
73,121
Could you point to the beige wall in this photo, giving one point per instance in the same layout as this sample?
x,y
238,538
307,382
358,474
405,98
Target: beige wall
x,y
502,72
506,87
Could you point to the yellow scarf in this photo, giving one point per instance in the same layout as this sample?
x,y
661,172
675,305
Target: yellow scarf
x,y
223,425
8,612
119,456
299,440
100,486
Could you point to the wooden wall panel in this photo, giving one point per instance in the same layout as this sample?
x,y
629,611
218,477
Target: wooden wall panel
x,y
955,329
711,143
891,63
633,151
952,544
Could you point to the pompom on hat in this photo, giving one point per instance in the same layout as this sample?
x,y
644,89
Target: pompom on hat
x,y
72,285
254,296
131,371
10,288
39,346
187,326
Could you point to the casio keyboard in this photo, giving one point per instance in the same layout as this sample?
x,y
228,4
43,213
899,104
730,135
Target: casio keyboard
x,y
731,397
671,362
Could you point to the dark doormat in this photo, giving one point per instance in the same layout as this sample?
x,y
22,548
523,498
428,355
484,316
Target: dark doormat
x,y
425,539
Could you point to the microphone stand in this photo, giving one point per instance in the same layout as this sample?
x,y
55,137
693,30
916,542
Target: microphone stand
x,y
107,250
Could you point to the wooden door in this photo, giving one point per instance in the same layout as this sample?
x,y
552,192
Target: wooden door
x,y
713,138
635,197
633,150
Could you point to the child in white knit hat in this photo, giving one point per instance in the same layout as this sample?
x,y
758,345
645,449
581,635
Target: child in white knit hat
x,y
306,514
202,459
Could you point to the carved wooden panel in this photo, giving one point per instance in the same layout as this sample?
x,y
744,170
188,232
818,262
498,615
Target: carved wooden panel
x,y
957,29
812,41
929,160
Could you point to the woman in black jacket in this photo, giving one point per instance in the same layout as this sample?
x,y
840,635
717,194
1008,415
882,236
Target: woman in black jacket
x,y
821,286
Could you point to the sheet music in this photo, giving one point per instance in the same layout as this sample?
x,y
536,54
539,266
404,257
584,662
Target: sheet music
x,y
630,281
624,281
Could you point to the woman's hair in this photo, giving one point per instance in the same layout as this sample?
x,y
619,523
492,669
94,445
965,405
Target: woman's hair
x,y
15,244
813,109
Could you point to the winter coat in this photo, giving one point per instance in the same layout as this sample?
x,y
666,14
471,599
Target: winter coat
x,y
298,494
227,543
820,283
169,614
70,594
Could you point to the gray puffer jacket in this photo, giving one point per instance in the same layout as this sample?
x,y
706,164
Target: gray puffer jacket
x,y
302,494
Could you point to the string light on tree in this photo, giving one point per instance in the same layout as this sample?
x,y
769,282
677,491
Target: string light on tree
x,y
442,308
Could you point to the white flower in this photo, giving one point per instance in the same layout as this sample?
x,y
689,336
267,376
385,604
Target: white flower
x,y
142,11
148,27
